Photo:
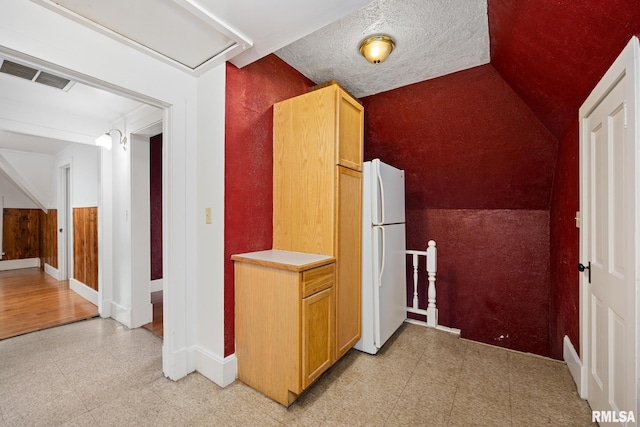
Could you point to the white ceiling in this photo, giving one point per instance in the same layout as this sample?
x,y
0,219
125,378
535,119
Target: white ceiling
x,y
432,37
197,35
318,38
39,118
31,143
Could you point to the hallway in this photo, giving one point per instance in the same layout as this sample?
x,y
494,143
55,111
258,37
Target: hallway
x,y
31,300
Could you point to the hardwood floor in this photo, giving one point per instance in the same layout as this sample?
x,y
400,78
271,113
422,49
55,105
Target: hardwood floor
x,y
31,300
156,325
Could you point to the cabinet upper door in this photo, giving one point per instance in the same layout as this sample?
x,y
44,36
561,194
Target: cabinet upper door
x,y
350,132
303,173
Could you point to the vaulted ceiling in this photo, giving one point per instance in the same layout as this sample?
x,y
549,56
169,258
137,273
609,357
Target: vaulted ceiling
x,y
551,52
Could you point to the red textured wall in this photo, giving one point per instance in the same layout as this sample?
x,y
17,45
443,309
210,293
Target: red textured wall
x,y
479,169
553,52
155,161
250,95
466,141
493,273
564,299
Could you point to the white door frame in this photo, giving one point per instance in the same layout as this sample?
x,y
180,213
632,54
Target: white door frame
x,y
65,237
627,64
174,362
139,147
192,173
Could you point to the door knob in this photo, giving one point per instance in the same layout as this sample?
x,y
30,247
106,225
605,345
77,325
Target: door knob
x,y
582,268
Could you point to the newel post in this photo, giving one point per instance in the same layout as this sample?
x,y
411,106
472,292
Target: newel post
x,y
432,311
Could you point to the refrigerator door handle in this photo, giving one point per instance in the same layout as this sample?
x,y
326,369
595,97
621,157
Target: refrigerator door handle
x,y
382,245
381,187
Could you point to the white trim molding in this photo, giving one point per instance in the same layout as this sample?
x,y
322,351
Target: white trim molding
x,y
52,271
222,371
16,264
121,314
155,285
84,291
571,358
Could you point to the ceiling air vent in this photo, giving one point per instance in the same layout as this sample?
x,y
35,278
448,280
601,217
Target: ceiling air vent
x,y
28,73
52,80
18,70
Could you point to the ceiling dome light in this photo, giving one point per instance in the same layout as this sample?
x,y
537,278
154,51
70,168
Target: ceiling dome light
x,y
377,48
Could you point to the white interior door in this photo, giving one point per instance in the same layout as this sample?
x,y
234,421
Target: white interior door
x,y
608,163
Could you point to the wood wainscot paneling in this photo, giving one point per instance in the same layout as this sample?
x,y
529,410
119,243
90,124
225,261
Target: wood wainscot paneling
x,y
49,238
20,233
85,246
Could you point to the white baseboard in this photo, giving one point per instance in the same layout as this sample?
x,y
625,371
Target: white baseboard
x,y
175,365
221,371
453,331
84,291
52,271
142,315
105,312
438,327
16,264
156,285
574,364
416,322
121,314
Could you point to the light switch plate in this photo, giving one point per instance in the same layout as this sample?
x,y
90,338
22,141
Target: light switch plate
x,y
207,215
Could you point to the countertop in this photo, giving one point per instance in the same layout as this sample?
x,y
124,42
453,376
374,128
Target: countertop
x,y
286,260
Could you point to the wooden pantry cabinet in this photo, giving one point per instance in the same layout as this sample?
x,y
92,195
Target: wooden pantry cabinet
x,y
285,311
317,192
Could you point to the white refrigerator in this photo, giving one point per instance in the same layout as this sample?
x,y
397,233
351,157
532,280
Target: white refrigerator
x,y
384,284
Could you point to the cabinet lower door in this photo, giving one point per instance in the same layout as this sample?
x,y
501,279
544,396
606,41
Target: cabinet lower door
x,y
317,335
348,255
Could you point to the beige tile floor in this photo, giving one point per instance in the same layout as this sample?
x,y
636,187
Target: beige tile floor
x,y
98,372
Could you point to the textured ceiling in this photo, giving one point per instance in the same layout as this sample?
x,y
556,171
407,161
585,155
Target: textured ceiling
x,y
433,38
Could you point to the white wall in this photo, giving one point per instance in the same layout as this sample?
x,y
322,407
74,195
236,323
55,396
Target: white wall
x,y
34,171
121,233
140,149
32,30
84,175
13,196
40,171
210,302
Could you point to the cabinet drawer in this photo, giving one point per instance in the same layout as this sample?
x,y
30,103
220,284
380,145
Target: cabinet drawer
x,y
317,279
